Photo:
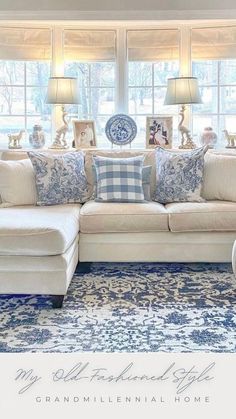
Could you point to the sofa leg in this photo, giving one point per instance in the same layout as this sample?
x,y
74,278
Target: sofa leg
x,y
83,267
57,301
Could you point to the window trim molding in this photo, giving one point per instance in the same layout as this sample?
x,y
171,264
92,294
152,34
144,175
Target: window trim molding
x,y
114,15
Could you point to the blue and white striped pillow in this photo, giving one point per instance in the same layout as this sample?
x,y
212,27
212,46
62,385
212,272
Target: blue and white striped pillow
x,y
119,180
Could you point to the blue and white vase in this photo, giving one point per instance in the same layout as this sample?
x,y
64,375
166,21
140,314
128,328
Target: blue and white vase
x,y
37,138
208,137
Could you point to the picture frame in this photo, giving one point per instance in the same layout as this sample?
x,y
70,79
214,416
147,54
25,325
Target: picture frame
x,y
84,133
159,131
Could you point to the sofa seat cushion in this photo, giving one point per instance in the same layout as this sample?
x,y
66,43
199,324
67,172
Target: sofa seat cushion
x,y
110,217
202,216
38,231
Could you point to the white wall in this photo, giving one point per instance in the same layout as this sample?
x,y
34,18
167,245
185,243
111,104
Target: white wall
x,y
117,9
91,5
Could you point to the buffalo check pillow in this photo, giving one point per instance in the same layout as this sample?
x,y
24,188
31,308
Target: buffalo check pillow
x,y
119,180
146,179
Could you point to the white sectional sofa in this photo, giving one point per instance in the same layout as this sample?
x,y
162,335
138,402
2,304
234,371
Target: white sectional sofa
x,y
40,246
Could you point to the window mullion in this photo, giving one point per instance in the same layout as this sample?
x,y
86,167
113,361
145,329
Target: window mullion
x,y
90,91
25,98
218,97
153,91
185,65
57,70
121,88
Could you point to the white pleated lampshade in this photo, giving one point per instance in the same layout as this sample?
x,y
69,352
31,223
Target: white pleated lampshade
x,y
62,90
182,91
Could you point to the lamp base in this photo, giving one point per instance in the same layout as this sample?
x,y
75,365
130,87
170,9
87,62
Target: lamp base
x,y
56,146
186,138
188,145
59,142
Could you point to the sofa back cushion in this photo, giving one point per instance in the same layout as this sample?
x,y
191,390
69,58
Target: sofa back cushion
x,y
14,155
219,177
17,183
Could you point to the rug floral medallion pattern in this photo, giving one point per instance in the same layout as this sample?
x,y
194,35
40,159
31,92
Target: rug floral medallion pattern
x,y
128,307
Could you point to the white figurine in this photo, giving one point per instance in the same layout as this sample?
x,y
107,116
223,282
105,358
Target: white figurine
x,y
14,140
231,139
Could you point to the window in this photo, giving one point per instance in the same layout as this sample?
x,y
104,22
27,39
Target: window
x,y
147,89
22,97
214,64
24,71
217,81
97,94
153,58
90,56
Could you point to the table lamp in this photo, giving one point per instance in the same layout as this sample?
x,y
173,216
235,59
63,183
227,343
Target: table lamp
x,y
61,91
183,91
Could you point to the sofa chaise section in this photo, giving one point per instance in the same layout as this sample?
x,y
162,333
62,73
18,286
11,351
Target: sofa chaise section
x,y
38,249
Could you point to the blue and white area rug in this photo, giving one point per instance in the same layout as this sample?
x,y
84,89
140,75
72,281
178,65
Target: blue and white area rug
x,y
128,308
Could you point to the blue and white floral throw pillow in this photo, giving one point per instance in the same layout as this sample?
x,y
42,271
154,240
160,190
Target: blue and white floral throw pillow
x,y
60,178
179,175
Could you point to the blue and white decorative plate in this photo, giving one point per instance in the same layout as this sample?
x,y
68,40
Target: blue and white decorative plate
x,y
121,129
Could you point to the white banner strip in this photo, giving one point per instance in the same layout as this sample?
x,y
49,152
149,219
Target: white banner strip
x,y
86,385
